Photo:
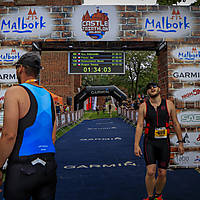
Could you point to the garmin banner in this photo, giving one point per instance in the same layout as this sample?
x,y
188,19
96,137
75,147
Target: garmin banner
x,y
174,23
8,75
92,23
188,74
28,22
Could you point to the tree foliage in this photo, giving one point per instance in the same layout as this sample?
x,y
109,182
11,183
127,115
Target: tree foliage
x,y
168,2
141,68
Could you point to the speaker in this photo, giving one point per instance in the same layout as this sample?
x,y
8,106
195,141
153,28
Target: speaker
x,y
69,101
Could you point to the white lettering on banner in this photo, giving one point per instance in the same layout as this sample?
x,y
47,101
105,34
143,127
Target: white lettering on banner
x,y
101,139
190,139
106,128
189,118
175,23
29,22
188,53
8,75
190,94
10,55
188,159
92,23
187,73
112,165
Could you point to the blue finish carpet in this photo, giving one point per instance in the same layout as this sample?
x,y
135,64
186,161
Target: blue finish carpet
x,y
96,162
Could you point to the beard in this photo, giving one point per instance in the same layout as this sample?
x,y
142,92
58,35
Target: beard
x,y
154,95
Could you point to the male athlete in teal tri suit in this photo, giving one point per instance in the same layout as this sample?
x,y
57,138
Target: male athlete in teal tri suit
x,y
28,136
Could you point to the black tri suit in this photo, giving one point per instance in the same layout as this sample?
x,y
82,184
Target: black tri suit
x,y
31,170
156,139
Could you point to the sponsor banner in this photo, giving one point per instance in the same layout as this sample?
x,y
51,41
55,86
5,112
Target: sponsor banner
x,y
92,23
62,119
189,74
190,139
174,23
189,118
189,53
2,93
189,94
10,55
28,22
8,75
188,159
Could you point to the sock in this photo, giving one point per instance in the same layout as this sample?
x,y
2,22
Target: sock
x,y
157,195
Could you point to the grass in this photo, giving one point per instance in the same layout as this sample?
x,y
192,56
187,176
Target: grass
x,y
88,115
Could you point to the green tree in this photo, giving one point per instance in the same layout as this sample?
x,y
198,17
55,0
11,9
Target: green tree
x,y
141,67
168,2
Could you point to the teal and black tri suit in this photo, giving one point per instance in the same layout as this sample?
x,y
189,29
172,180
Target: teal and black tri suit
x,y
156,140
25,178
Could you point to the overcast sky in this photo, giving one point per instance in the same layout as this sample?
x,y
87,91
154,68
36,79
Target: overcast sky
x,y
129,2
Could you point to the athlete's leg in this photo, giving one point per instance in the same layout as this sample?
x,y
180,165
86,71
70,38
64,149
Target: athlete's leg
x,y
150,179
161,180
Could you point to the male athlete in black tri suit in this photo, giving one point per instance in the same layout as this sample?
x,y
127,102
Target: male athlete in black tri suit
x,y
157,113
28,136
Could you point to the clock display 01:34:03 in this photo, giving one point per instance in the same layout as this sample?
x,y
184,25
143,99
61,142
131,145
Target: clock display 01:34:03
x,y
102,69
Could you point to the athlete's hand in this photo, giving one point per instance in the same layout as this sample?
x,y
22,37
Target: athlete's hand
x,y
137,150
1,179
181,148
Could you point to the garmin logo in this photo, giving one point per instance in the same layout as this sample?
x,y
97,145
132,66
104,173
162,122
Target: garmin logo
x,y
187,73
168,24
110,165
32,21
100,139
8,75
99,92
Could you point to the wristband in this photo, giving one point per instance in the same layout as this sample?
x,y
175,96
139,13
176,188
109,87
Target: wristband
x,y
180,141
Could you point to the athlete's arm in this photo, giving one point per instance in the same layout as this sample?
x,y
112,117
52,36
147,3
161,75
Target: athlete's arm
x,y
139,129
10,124
54,126
176,125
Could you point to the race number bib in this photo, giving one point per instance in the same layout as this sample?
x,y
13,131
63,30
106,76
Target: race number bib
x,y
160,133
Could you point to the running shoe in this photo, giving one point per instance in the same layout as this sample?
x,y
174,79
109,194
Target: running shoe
x,y
151,198
159,197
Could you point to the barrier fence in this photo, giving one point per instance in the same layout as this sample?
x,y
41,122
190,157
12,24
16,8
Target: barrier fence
x,y
191,157
68,118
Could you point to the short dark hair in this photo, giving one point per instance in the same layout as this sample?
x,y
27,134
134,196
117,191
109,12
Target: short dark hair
x,y
31,71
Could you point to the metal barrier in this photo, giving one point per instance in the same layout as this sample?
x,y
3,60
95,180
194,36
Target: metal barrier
x,y
129,115
68,118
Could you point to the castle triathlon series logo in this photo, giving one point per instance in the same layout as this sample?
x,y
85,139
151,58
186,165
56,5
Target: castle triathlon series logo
x,y
95,25
174,23
188,53
33,21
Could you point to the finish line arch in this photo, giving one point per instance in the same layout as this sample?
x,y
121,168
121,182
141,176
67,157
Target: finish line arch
x,y
89,91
